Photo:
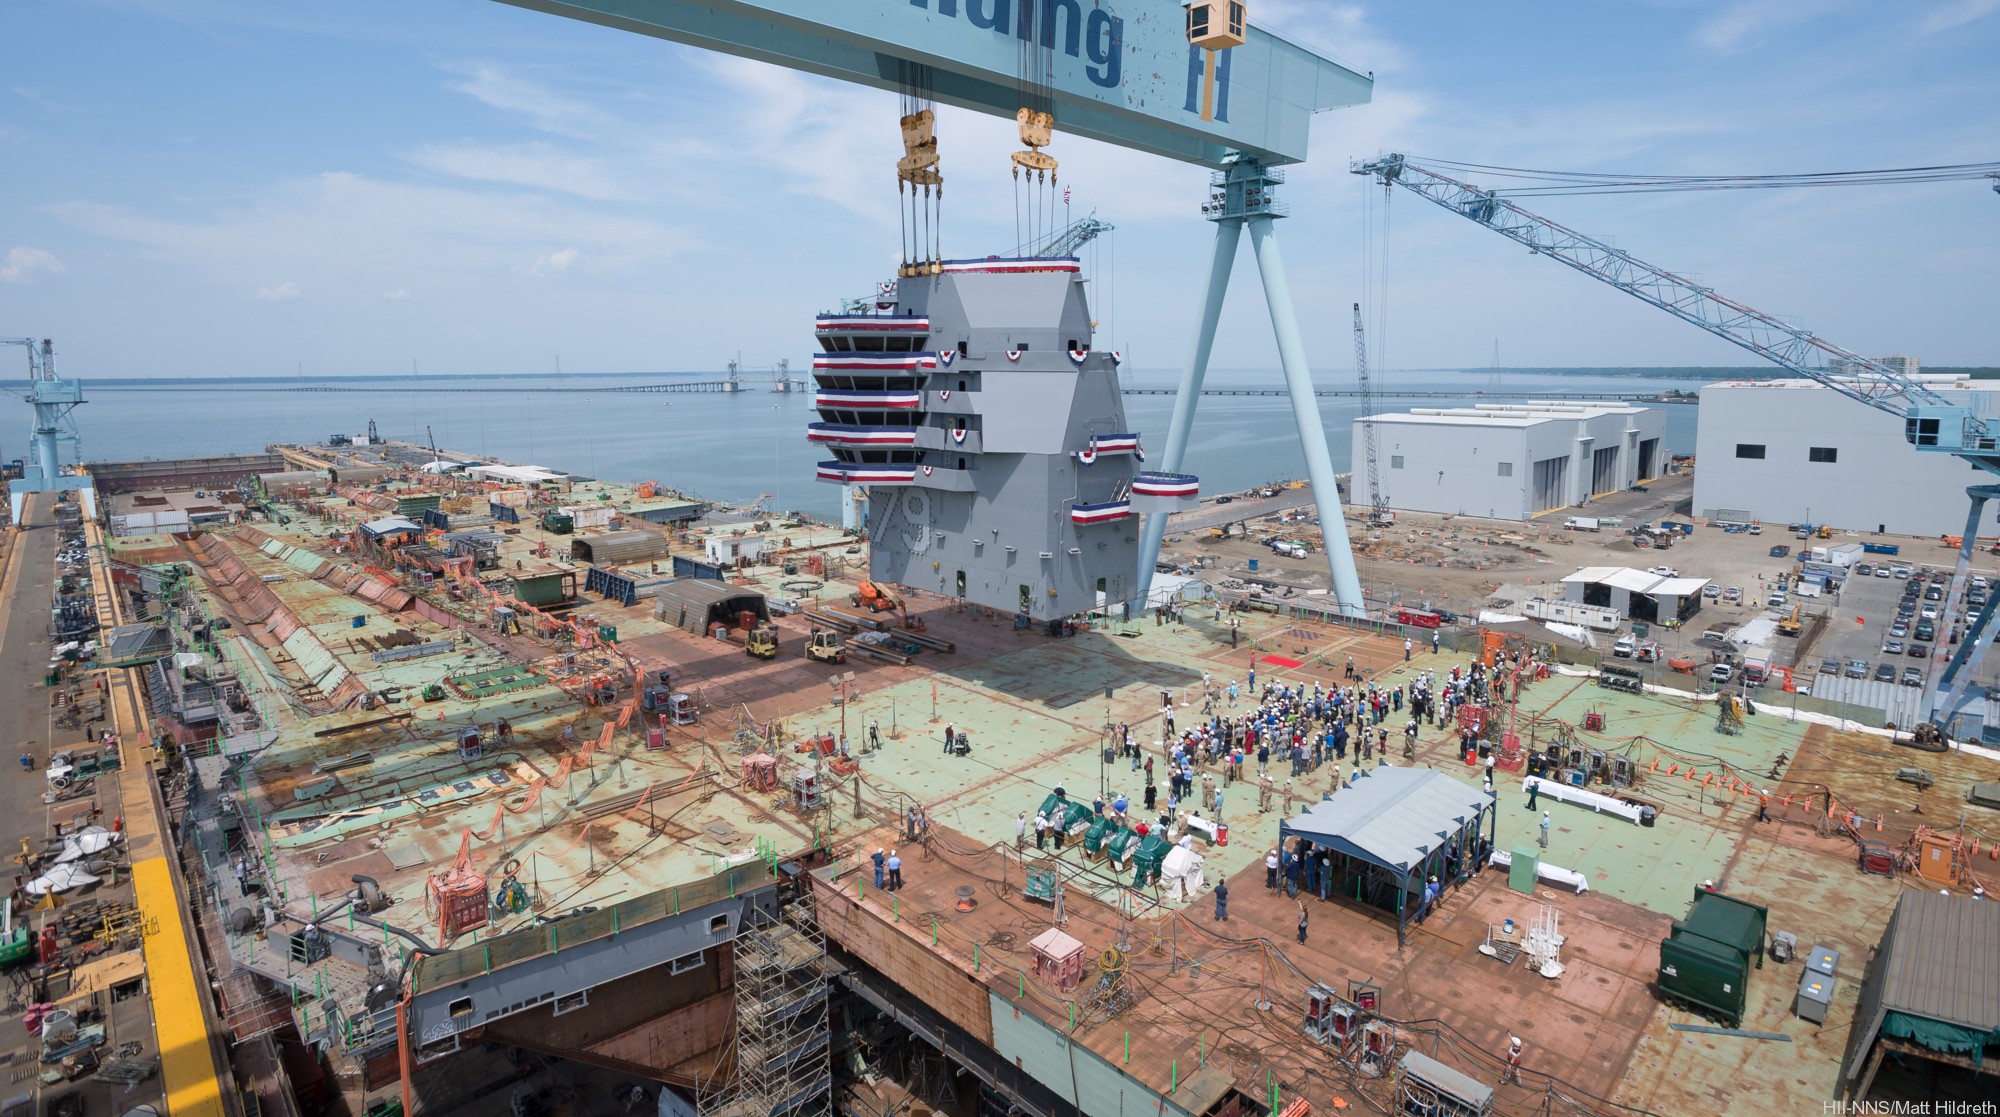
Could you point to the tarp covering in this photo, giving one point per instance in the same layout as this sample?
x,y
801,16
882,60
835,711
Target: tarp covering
x,y
1393,817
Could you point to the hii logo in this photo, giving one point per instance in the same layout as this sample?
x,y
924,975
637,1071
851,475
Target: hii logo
x,y
1099,36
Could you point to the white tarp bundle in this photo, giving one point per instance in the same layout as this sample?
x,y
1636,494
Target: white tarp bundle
x,y
1180,874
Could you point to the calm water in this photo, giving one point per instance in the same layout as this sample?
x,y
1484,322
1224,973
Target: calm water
x,y
724,447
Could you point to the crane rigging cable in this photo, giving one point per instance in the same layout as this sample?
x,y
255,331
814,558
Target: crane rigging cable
x,y
1554,183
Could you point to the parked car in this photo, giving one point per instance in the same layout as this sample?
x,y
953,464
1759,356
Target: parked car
x,y
1929,613
1224,499
1885,672
1933,592
1857,668
1912,677
1900,571
1756,529
1777,598
1900,629
1892,647
1863,570
1920,651
1733,595
1882,572
1625,646
1829,667
1663,571
1721,673
1926,630
1782,550
1711,591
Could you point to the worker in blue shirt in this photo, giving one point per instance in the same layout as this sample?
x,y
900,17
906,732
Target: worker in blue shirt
x,y
880,859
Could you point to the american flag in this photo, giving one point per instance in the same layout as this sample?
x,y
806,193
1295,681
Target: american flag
x,y
1065,195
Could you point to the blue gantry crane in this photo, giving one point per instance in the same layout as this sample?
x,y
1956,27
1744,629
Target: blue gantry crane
x,y
1932,422
1191,80
53,399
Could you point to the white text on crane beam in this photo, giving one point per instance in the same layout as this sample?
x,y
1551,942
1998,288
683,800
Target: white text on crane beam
x,y
1099,35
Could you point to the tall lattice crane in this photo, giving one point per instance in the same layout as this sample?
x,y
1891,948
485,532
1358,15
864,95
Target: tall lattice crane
x,y
1378,506
1931,422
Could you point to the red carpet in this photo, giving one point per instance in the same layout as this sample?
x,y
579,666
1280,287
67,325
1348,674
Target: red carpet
x,y
1282,661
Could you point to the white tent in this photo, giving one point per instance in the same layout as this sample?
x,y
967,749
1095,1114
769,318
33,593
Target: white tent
x,y
1180,874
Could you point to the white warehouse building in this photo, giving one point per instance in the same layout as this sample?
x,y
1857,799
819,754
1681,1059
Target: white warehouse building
x,y
1510,461
1793,451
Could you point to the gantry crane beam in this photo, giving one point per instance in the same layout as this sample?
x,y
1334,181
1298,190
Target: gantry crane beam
x,y
1931,422
1121,71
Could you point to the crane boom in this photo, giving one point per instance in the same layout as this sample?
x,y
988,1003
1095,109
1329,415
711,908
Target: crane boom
x,y
1074,236
1931,422
1378,507
1799,350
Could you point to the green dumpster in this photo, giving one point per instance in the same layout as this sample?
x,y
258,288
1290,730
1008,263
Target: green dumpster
x,y
1705,961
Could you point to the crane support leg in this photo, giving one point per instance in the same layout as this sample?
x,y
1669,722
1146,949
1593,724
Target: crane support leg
x,y
1305,409
1950,694
1227,234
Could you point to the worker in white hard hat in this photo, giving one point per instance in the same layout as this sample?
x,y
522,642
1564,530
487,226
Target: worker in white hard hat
x,y
1708,886
1513,1060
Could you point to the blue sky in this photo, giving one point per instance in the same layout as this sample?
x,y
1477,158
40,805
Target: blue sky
x,y
227,187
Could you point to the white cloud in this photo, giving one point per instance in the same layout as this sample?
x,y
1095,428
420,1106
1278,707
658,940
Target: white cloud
x,y
38,98
22,265
347,232
535,165
1748,23
397,296
1956,14
282,293
547,109
551,264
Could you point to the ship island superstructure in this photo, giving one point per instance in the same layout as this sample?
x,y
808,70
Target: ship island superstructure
x,y
991,437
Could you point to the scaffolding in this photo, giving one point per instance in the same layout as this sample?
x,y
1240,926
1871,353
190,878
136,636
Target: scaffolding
x,y
782,1063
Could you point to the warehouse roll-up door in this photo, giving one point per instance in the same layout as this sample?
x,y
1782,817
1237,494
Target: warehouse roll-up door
x,y
1551,483
1649,459
1604,471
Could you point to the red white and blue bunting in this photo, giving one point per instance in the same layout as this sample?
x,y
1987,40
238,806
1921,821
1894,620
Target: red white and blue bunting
x,y
874,362
958,436
1085,514
944,395
1013,354
996,264
872,323
929,469
1165,492
867,401
841,435
947,356
1109,444
1117,358
856,473
1078,356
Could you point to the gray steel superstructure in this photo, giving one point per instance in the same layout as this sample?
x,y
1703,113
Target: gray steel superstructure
x,y
991,438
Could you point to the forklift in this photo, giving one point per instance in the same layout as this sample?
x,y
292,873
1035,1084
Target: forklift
x,y
824,646
761,641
